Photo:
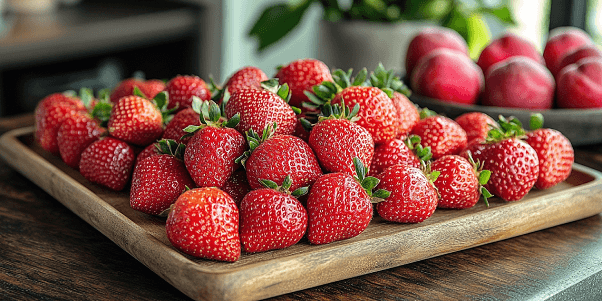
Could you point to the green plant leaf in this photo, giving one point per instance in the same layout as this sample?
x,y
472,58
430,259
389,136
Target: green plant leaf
x,y
360,169
536,121
139,93
381,193
484,176
300,191
502,13
276,22
269,183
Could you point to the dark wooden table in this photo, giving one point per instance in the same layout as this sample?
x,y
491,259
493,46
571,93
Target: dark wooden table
x,y
49,253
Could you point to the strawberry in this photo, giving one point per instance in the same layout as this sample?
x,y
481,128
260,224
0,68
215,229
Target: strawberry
x,y
443,135
339,205
261,108
246,78
237,185
137,120
475,124
398,151
336,140
272,218
555,154
211,152
50,114
107,162
413,196
274,157
159,180
513,163
175,128
75,134
460,182
203,222
182,88
150,88
150,150
301,75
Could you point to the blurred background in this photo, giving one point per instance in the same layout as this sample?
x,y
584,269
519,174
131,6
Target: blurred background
x,y
49,46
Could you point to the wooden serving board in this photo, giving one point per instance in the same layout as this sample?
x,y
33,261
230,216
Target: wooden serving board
x,y
256,276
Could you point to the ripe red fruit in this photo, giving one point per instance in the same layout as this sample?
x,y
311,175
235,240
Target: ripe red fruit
x,y
561,41
75,134
150,150
337,141
413,197
430,39
237,185
392,153
150,88
182,88
175,128
203,222
407,113
280,156
506,46
136,120
338,208
577,55
159,180
475,124
108,162
245,78
443,135
50,113
579,86
261,108
211,153
301,75
555,154
458,182
377,112
271,219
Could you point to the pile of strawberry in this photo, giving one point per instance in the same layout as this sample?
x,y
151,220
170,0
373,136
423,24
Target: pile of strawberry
x,y
261,163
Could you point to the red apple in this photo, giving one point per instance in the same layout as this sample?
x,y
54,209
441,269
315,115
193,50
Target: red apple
x,y
430,39
507,46
576,55
519,82
448,75
580,84
563,40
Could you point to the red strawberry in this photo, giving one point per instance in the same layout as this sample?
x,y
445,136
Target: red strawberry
x,y
108,162
271,218
336,140
182,88
150,150
237,185
261,108
513,163
377,113
339,205
278,156
443,135
460,182
203,222
475,124
407,113
75,134
150,88
301,75
475,148
50,114
211,153
555,154
413,196
159,180
246,78
136,120
397,151
175,128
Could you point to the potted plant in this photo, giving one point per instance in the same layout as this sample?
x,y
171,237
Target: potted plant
x,y
362,33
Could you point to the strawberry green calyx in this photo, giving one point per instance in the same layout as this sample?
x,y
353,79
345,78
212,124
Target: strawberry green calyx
x,y
339,112
325,92
283,91
255,140
536,121
171,147
369,183
285,188
101,109
509,128
483,176
216,91
387,81
210,114
431,175
87,96
160,101
425,113
413,143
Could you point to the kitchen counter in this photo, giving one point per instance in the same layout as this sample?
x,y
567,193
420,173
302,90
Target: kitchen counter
x,y
49,253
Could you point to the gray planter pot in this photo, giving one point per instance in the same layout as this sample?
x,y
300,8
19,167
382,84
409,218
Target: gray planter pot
x,y
358,44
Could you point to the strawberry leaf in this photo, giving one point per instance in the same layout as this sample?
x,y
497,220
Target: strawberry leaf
x,y
192,128
536,121
484,176
287,183
381,194
161,100
360,169
300,191
369,183
233,122
197,103
102,112
284,92
269,184
104,95
360,78
214,112
425,113
306,124
139,93
296,110
486,194
86,96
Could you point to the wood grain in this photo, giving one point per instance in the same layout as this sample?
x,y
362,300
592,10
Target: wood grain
x,y
382,246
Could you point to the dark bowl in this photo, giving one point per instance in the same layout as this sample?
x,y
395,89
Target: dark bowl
x,y
580,126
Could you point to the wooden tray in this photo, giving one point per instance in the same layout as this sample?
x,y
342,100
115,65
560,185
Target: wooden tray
x,y
255,276
580,126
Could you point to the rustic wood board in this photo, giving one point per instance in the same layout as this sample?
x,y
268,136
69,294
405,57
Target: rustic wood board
x,y
255,276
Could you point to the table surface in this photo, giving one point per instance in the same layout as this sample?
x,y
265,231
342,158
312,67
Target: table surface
x,y
49,253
